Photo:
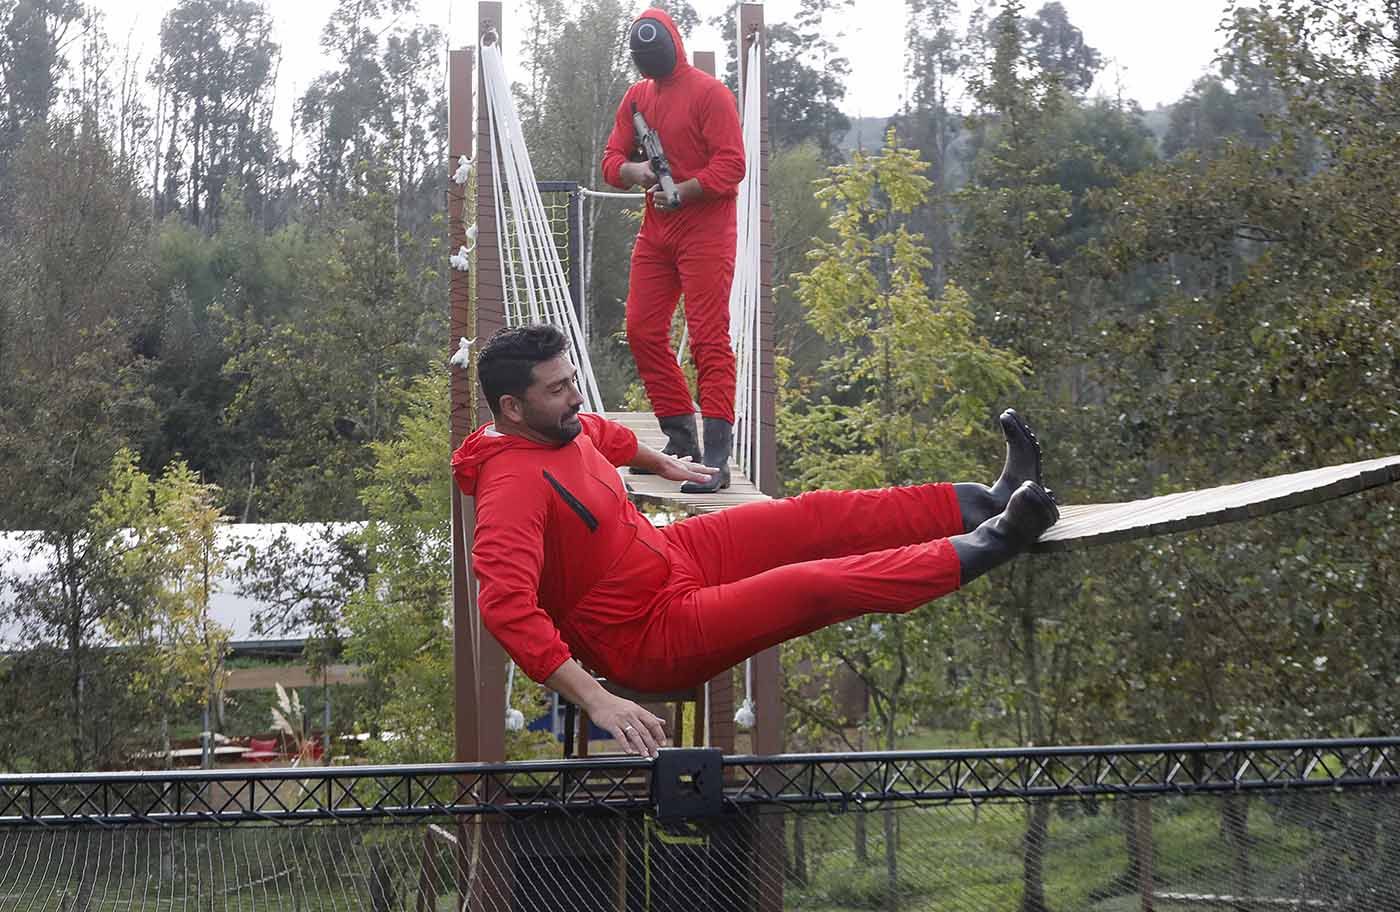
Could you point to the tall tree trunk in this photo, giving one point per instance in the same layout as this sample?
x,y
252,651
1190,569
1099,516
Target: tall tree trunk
x,y
73,606
799,851
1033,857
891,859
1038,821
381,882
862,846
1234,819
891,827
1137,829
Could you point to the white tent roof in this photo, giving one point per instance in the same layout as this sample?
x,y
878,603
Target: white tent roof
x,y
229,607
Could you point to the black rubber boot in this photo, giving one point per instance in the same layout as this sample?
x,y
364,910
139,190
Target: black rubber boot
x,y
719,440
1029,512
681,441
979,502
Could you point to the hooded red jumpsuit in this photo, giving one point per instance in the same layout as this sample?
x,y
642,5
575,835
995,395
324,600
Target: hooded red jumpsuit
x,y
689,251
569,567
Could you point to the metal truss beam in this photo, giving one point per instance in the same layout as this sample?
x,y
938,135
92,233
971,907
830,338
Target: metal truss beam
x,y
622,784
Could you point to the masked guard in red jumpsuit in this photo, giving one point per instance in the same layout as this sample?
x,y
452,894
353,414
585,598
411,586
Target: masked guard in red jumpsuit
x,y
682,250
573,577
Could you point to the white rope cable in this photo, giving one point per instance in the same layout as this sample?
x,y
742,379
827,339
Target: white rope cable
x,y
515,719
745,289
744,308
577,250
510,225
707,716
527,239
634,195
474,609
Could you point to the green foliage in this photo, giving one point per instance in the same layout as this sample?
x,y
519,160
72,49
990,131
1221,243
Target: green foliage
x,y
315,388
169,559
908,384
910,379
400,623
215,77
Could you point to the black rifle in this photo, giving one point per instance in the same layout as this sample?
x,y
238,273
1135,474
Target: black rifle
x,y
650,143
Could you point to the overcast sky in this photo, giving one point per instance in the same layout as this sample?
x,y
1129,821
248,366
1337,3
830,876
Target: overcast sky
x,y
1157,49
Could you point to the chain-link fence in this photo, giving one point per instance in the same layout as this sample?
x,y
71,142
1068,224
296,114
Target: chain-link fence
x,y
1312,839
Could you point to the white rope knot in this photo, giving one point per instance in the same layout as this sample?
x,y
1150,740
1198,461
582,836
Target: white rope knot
x,y
744,716
463,356
464,170
515,720
461,260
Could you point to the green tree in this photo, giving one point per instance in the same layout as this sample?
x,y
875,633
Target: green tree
x,y
806,80
319,384
1058,48
908,384
215,78
32,63
165,534
400,623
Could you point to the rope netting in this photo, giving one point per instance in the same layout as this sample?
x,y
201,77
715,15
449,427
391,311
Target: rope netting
x,y
1292,849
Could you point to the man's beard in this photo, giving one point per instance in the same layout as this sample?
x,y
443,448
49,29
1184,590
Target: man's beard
x,y
564,430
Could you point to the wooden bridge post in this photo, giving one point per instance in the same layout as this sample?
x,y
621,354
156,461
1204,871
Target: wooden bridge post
x,y
769,851
478,310
768,733
719,706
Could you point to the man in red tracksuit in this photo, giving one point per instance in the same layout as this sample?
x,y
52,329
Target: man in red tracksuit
x,y
570,571
686,250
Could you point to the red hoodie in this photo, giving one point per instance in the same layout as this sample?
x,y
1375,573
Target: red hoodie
x,y
559,548
698,121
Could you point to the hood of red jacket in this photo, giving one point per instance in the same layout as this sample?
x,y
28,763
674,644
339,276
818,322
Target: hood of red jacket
x,y
481,445
661,16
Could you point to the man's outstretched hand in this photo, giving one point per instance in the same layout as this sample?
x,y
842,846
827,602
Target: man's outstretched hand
x,y
673,469
636,729
669,467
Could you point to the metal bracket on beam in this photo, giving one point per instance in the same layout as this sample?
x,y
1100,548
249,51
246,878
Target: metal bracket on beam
x,y
687,782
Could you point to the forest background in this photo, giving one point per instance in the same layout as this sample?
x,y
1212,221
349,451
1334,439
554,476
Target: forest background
x,y
198,328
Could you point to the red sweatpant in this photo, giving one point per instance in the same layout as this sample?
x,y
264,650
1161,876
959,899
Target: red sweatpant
x,y
699,264
754,576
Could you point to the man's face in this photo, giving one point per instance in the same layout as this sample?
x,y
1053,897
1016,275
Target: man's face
x,y
551,404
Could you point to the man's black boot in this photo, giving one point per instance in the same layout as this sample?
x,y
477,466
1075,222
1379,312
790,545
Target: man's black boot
x,y
979,502
719,440
681,440
1029,512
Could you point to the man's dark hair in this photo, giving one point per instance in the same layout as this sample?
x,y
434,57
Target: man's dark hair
x,y
506,361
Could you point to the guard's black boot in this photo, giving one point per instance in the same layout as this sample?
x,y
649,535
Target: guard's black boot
x,y
719,440
1029,512
979,502
681,441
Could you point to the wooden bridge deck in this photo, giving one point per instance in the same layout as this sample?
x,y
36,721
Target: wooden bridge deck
x,y
658,492
1080,525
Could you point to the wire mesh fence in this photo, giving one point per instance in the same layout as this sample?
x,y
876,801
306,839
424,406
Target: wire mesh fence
x,y
1299,849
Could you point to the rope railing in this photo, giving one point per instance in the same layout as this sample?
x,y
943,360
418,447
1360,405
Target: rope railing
x,y
532,275
744,301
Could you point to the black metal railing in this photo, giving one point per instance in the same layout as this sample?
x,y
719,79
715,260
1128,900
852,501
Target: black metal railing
x,y
621,784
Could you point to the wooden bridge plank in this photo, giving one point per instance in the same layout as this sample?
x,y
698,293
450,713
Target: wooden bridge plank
x,y
1085,525
658,492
